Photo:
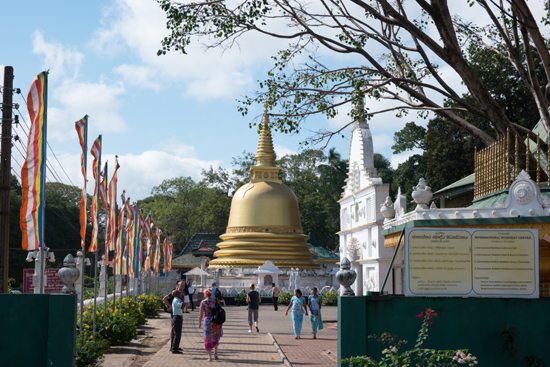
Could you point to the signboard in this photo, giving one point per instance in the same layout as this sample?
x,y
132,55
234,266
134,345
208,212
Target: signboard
x,y
53,283
471,263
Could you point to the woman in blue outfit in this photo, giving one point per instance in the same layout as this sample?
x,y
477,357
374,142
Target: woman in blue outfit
x,y
298,307
314,304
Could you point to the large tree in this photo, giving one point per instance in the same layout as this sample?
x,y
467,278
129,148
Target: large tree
x,y
400,48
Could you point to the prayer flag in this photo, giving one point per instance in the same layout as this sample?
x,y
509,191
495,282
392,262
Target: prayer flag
x,y
96,153
81,127
33,172
112,207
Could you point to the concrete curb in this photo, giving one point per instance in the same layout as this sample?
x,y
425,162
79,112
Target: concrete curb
x,y
281,353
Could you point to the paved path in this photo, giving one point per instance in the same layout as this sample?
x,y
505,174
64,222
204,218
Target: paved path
x,y
237,346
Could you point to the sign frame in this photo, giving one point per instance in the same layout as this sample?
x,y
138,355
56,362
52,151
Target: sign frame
x,y
471,262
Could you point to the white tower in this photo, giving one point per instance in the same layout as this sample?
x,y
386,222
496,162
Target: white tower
x,y
361,240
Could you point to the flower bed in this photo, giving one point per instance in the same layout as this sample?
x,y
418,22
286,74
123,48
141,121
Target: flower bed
x,y
113,327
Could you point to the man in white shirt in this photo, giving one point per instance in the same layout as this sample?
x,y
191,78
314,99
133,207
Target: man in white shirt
x,y
191,293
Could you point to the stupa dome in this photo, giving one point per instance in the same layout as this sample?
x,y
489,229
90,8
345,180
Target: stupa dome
x,y
264,221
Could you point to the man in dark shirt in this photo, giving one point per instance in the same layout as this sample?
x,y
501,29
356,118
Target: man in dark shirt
x,y
253,299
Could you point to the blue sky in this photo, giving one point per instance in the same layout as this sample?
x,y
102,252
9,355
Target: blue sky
x,y
163,116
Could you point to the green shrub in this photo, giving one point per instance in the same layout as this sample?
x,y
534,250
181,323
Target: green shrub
x,y
284,298
117,328
417,356
330,299
240,299
89,349
151,304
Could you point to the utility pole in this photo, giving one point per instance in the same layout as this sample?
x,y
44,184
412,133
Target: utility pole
x,y
5,178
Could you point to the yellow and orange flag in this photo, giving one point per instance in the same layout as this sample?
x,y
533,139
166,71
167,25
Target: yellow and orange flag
x,y
96,153
33,172
81,127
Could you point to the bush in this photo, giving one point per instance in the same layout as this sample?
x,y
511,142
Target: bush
x,y
89,349
418,356
284,298
117,328
133,307
113,326
240,299
330,299
151,304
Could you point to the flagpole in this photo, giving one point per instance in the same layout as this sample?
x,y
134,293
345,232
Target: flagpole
x,y
84,244
114,260
97,212
106,234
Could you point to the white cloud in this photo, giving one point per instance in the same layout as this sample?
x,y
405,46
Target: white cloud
x,y
99,100
62,61
172,145
281,150
137,174
396,159
138,75
71,98
139,26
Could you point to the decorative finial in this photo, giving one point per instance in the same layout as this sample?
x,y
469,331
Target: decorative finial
x,y
265,169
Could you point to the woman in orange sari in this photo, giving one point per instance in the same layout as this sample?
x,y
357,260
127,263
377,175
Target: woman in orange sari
x,y
212,332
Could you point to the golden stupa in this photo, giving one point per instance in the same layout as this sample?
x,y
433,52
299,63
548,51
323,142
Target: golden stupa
x,y
264,221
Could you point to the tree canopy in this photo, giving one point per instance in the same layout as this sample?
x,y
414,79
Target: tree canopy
x,y
400,51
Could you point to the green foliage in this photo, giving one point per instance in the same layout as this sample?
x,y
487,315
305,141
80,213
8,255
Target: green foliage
x,y
151,304
240,299
417,356
113,326
284,298
183,207
330,299
410,137
385,170
89,349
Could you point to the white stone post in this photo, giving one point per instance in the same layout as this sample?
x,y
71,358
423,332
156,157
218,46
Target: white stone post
x,y
203,268
38,270
102,277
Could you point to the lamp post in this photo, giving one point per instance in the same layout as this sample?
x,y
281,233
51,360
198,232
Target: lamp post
x,y
39,278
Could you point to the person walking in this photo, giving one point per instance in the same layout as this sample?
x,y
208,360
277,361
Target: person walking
x,y
177,321
253,299
314,305
212,332
275,296
192,291
186,297
297,306
214,290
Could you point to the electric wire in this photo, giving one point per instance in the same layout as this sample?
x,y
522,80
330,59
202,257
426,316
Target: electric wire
x,y
48,163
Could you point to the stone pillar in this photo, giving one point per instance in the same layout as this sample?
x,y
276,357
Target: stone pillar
x,y
203,268
102,277
38,269
118,286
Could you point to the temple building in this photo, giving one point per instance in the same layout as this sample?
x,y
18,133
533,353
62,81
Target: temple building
x,y
361,222
264,221
264,225
506,191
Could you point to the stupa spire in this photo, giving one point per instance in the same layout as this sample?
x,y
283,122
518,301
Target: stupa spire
x,y
265,169
265,156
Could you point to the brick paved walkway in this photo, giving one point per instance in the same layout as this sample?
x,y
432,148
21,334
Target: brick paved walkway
x,y
237,346
309,352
